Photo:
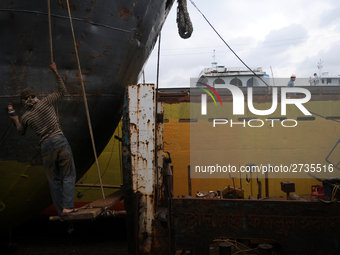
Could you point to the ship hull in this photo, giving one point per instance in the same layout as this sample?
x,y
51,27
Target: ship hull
x,y
114,40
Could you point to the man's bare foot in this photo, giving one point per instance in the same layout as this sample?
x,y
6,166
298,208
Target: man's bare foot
x,y
67,211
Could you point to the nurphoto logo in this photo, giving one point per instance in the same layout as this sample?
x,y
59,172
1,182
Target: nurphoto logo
x,y
238,99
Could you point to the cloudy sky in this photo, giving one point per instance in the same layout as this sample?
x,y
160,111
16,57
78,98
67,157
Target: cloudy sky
x,y
283,37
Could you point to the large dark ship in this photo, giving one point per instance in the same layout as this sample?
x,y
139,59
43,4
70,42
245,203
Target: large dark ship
x,y
113,39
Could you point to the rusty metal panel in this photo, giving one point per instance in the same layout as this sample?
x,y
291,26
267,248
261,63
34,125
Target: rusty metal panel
x,y
140,176
300,227
142,144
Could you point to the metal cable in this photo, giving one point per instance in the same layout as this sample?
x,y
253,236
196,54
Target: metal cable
x,y
228,45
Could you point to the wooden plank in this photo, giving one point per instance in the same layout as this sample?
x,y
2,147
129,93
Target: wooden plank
x,y
94,209
84,214
98,185
111,200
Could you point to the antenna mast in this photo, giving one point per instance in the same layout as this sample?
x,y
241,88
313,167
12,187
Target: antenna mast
x,y
214,63
320,66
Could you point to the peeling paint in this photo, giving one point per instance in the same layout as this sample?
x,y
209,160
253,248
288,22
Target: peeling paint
x,y
142,146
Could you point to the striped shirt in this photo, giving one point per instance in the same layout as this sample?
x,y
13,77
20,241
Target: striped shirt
x,y
42,117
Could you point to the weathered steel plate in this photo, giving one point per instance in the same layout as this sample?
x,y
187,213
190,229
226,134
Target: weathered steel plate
x,y
299,227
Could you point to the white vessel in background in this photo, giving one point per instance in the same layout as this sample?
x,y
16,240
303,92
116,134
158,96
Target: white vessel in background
x,y
324,78
243,77
238,76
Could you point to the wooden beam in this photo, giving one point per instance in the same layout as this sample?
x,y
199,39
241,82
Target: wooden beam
x,y
98,185
94,209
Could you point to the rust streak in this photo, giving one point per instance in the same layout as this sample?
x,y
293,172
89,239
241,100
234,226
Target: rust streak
x,y
125,14
13,69
95,56
64,6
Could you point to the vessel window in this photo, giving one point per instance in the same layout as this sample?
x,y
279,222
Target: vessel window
x,y
323,81
236,82
202,80
219,81
329,81
252,82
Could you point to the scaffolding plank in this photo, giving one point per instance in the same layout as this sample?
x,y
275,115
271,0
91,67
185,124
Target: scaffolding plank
x,y
84,214
94,209
109,186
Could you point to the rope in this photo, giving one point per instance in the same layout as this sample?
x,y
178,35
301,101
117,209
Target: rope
x,y
51,46
85,103
335,190
50,29
183,20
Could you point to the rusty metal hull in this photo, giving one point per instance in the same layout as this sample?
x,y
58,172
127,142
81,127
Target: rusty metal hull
x,y
114,40
300,227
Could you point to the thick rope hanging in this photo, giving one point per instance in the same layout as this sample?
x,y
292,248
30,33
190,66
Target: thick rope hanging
x,y
85,103
184,24
50,29
51,46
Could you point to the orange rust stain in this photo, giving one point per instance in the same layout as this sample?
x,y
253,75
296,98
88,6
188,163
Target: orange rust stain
x,y
78,77
64,6
108,45
89,10
14,70
78,43
125,14
95,56
73,89
88,20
